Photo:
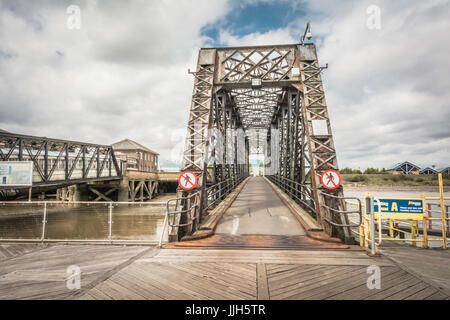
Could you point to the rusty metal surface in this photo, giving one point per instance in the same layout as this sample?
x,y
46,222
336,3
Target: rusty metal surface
x,y
260,241
273,94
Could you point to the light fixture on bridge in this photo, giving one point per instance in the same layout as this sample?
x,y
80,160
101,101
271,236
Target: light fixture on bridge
x,y
307,34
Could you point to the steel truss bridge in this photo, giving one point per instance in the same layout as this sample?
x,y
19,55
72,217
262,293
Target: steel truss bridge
x,y
250,100
60,162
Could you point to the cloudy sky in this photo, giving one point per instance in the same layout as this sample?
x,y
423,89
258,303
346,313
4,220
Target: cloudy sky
x,y
123,73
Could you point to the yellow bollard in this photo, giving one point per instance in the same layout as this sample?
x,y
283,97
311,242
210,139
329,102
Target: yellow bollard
x,y
391,228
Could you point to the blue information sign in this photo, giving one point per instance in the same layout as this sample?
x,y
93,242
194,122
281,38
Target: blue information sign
x,y
400,208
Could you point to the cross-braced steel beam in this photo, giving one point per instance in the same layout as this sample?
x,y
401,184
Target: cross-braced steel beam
x,y
259,100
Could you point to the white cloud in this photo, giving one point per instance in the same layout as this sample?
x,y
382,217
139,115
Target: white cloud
x,y
387,89
124,73
278,36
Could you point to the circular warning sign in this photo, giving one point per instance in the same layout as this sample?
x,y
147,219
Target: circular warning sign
x,y
331,179
187,180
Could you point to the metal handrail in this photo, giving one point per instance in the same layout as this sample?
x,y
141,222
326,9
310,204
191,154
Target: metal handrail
x,y
334,211
282,184
223,187
173,213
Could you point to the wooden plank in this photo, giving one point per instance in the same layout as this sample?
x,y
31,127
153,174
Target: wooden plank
x,y
402,284
195,291
198,284
301,271
123,292
421,295
246,285
135,284
357,279
306,283
249,276
162,286
409,291
362,291
322,287
224,290
263,287
437,296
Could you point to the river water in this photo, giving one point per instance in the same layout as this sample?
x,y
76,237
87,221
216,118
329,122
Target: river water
x,y
82,222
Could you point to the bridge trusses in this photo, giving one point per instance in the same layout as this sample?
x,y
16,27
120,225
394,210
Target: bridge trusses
x,y
265,99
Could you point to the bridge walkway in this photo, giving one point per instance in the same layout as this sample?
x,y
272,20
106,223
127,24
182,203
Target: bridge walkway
x,y
259,218
140,272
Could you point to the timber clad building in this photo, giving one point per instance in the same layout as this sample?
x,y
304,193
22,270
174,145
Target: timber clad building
x,y
135,156
409,168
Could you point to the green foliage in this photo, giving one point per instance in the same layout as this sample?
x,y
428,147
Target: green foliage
x,y
358,178
372,171
350,171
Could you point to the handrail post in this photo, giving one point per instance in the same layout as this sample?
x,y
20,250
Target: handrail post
x,y
370,211
446,217
430,225
165,224
413,233
110,221
424,224
44,221
441,196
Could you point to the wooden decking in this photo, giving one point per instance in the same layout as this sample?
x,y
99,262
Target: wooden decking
x,y
138,272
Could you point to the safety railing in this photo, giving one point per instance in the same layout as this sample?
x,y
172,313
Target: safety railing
x,y
190,207
345,214
433,228
302,195
219,191
81,221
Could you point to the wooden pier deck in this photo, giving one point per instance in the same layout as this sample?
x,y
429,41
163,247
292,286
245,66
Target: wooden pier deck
x,y
140,272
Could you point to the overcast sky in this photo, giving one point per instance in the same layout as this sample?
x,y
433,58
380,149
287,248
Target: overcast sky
x,y
123,74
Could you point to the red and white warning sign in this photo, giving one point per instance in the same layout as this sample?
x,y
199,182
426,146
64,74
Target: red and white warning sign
x,y
331,179
187,180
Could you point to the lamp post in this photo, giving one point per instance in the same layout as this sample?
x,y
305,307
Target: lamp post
x,y
307,34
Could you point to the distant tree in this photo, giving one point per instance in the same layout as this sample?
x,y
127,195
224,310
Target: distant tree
x,y
371,171
350,171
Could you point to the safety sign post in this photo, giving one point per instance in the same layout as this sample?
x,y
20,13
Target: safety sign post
x,y
331,179
187,180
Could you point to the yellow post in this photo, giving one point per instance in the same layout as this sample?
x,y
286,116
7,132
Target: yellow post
x,y
424,223
413,232
367,234
361,235
391,228
441,195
